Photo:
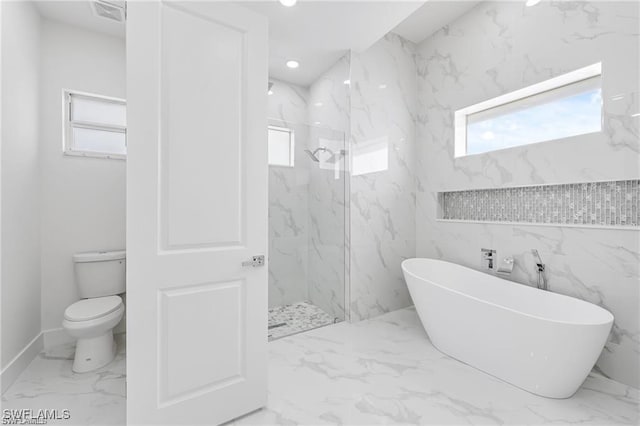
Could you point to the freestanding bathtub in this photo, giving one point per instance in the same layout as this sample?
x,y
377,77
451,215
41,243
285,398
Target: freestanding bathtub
x,y
542,342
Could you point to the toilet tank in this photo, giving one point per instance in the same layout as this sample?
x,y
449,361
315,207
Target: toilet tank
x,y
100,273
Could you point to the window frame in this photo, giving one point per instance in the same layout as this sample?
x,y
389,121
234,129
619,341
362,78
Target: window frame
x,y
291,145
68,125
461,115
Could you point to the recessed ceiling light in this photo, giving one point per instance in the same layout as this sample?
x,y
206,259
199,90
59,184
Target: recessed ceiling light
x,y
530,3
318,104
347,82
293,64
270,92
288,3
382,86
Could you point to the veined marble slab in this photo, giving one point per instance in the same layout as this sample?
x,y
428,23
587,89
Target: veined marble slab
x,y
378,371
94,398
385,371
497,48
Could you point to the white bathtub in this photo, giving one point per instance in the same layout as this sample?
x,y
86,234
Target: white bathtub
x,y
540,341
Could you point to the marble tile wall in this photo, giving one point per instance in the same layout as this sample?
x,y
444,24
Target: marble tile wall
x,y
498,47
382,209
289,201
329,97
371,97
328,115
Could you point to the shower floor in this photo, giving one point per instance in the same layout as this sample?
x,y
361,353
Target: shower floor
x,y
296,318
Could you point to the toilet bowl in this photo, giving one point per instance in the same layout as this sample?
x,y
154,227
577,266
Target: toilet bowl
x,y
91,321
100,276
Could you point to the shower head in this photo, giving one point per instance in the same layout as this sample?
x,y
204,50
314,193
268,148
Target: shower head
x,y
335,156
312,155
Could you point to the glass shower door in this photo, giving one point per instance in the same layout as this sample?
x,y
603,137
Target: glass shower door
x,y
306,227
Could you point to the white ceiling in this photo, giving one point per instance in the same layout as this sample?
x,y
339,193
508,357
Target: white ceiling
x,y
80,14
317,33
432,16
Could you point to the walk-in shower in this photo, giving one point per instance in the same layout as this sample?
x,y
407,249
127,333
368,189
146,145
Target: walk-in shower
x,y
306,227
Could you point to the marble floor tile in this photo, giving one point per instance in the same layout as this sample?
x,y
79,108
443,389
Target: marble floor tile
x,y
379,371
296,318
385,371
94,398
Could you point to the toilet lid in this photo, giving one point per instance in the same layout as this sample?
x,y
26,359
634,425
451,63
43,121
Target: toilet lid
x,y
88,309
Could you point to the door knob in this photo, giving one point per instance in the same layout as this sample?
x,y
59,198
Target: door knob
x,y
255,261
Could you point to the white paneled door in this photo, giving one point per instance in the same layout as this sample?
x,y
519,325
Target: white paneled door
x,y
196,210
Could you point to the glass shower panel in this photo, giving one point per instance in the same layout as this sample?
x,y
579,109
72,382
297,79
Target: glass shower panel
x,y
307,232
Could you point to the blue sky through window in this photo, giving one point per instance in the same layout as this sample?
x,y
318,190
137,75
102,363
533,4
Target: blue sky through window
x,y
573,115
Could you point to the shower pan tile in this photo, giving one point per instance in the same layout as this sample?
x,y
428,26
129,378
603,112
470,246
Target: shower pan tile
x,y
296,318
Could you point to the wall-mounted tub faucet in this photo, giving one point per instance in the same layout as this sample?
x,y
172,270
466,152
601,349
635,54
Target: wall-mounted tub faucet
x,y
505,267
487,259
542,277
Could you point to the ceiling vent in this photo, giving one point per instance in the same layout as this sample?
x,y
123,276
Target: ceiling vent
x,y
109,10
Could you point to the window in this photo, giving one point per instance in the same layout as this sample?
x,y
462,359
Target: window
x,y
564,106
95,126
280,141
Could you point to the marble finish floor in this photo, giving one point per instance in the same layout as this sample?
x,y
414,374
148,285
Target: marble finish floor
x,y
296,318
385,371
379,371
94,398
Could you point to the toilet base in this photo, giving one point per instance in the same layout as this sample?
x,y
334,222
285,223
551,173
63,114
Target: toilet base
x,y
94,352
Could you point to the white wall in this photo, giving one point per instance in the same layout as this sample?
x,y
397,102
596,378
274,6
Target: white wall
x,y
83,199
499,47
20,179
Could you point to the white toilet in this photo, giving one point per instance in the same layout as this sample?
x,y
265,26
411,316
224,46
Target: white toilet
x,y
100,277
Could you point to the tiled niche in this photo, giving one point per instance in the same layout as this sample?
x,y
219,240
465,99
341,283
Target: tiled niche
x,y
594,204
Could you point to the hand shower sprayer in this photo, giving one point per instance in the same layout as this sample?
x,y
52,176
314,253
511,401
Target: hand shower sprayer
x,y
540,267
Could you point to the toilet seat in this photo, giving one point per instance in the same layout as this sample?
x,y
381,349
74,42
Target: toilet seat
x,y
90,309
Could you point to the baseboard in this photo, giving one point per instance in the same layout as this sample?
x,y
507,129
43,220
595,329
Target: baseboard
x,y
56,337
10,373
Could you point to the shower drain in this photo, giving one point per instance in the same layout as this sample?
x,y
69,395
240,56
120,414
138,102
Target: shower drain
x,y
277,325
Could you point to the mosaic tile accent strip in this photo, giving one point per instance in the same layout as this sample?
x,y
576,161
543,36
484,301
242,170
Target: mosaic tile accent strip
x,y
296,318
614,203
